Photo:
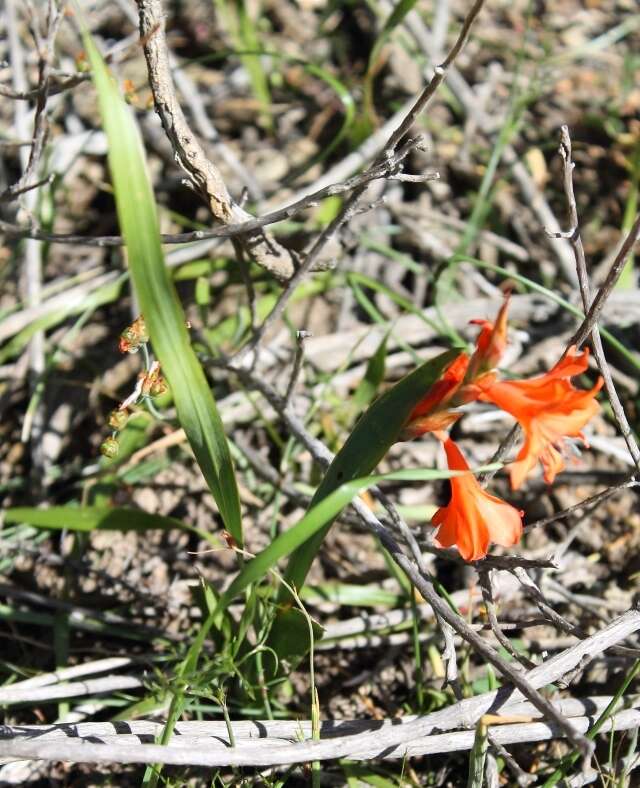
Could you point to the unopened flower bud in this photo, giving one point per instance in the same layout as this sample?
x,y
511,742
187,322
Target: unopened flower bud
x,y
109,448
82,64
117,419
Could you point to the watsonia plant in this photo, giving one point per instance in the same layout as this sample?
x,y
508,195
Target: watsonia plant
x,y
548,408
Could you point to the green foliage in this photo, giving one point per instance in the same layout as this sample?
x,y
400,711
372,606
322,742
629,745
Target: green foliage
x,y
93,518
373,435
158,299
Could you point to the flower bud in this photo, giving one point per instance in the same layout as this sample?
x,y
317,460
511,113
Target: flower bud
x,y
109,448
117,419
129,90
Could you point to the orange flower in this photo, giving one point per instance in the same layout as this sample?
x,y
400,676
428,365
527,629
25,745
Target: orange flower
x,y
463,380
432,413
548,409
490,344
473,518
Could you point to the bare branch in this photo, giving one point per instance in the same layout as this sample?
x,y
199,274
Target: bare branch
x,y
208,181
585,292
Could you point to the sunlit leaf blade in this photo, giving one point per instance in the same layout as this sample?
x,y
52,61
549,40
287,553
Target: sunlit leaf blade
x,y
285,642
321,514
158,299
97,518
371,439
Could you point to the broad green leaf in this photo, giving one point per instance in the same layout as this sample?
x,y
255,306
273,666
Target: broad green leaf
x,y
320,516
371,439
317,520
157,296
98,518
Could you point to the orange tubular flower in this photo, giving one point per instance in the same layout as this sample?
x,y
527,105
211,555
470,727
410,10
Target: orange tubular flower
x,y
490,344
548,409
473,518
463,380
432,413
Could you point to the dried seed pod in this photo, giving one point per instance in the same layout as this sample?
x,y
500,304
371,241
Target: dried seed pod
x,y
110,448
117,419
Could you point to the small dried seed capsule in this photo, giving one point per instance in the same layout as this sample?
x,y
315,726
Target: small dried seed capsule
x,y
129,342
129,90
158,386
110,448
140,329
117,419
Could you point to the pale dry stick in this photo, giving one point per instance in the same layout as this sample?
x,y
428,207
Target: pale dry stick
x,y
350,205
588,503
75,689
266,732
209,751
389,639
247,227
386,740
33,425
573,235
64,674
54,89
204,175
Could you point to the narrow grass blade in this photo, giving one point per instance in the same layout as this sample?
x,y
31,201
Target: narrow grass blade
x,y
478,757
158,299
97,518
400,10
373,377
